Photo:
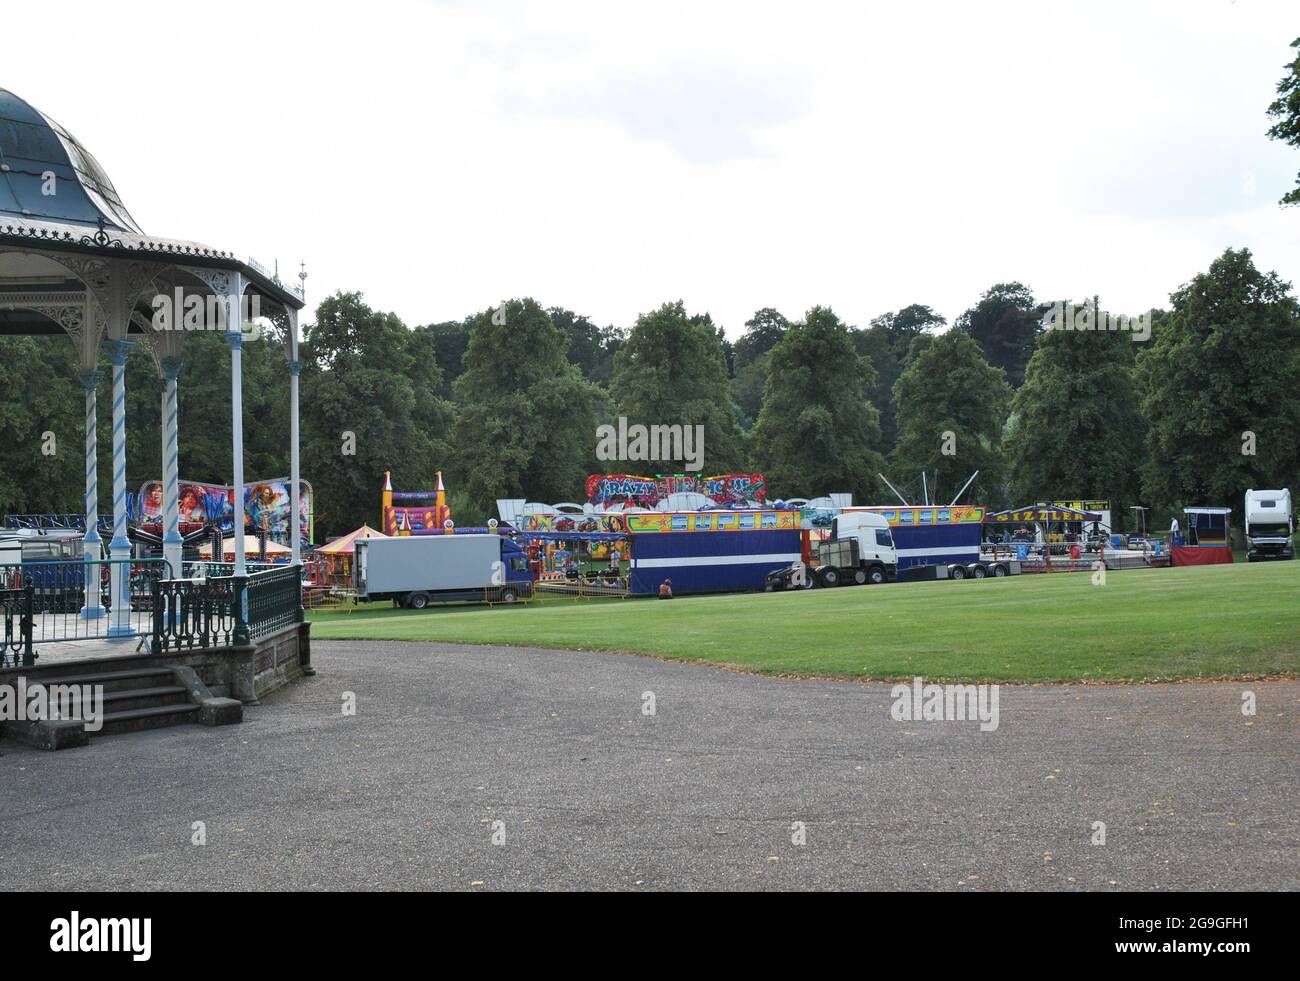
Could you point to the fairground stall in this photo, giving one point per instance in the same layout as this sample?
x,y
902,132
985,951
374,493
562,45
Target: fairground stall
x,y
1056,538
1206,539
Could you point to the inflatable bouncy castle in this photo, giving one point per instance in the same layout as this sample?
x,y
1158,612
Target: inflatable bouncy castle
x,y
416,512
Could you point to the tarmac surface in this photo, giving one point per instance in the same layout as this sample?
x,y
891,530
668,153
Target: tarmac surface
x,y
508,768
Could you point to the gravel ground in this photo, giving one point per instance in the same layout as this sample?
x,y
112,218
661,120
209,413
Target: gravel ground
x,y
447,740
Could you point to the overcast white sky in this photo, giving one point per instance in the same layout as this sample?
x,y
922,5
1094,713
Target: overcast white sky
x,y
441,156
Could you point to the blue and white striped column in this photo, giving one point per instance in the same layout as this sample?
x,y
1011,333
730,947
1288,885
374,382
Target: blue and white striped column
x,y
234,324
173,544
295,485
93,606
119,549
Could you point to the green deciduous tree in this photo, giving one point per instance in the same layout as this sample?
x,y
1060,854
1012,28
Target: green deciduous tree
x,y
1076,428
1286,110
672,370
359,394
450,340
1005,323
763,331
818,432
951,408
1220,378
591,348
527,417
890,343
39,394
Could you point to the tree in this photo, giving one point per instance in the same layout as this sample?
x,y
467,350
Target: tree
x,y
1005,324
450,339
818,432
1220,377
951,408
1286,110
671,371
890,343
728,353
763,331
1076,427
360,411
40,394
917,318
527,417
591,348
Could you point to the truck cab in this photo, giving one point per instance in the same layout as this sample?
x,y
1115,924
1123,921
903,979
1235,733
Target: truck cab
x,y
872,556
1270,525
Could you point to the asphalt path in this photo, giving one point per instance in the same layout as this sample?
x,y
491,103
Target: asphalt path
x,y
483,768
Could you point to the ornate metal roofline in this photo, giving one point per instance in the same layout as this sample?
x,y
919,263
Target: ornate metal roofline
x,y
111,244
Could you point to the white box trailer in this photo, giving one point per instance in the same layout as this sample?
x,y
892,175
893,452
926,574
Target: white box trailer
x,y
418,569
1270,525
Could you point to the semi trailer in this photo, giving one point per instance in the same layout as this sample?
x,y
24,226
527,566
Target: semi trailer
x,y
415,571
861,550
1270,525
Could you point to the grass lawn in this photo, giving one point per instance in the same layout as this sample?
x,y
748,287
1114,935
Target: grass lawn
x,y
1157,624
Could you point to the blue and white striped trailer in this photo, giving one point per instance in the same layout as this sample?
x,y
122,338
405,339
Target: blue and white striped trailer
x,y
726,559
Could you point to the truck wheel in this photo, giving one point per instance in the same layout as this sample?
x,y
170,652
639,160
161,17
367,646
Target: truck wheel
x,y
957,572
509,596
417,601
809,581
830,577
979,572
999,571
876,575
859,577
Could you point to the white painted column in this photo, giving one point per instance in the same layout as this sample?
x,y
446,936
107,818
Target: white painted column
x,y
173,545
295,367
93,606
119,549
234,325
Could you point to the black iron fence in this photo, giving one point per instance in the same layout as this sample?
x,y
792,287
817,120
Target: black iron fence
x,y
274,601
225,610
16,644
79,599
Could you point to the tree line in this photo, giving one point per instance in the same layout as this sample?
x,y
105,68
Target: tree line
x,y
507,402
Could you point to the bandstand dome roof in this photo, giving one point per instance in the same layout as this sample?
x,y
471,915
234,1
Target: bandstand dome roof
x,y
33,145
85,217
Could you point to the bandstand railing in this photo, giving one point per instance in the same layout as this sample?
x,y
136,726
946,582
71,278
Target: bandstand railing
x,y
225,611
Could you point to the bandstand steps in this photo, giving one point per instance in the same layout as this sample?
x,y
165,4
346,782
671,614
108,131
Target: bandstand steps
x,y
134,699
151,717
115,681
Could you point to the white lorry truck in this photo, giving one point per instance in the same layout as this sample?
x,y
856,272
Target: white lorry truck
x,y
861,550
415,570
1270,525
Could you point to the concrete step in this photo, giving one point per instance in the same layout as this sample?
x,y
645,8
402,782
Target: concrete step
x,y
133,698
155,717
113,681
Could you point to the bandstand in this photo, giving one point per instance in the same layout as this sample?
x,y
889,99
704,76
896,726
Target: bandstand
x,y
74,264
